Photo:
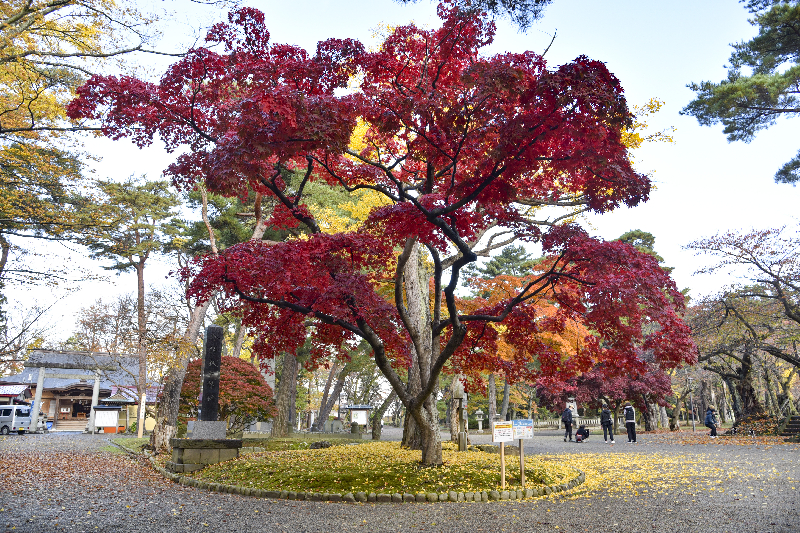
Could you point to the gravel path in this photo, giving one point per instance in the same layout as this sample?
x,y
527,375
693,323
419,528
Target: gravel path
x,y
75,482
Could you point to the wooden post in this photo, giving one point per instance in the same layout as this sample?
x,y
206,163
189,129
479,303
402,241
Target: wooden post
x,y
503,465
521,464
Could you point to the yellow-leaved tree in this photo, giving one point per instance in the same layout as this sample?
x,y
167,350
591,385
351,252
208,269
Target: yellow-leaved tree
x,y
47,49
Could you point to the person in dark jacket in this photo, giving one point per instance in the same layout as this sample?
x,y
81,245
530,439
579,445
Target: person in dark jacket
x,y
566,417
630,422
607,421
711,421
582,434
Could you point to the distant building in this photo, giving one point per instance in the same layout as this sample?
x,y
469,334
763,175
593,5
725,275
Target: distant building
x,y
14,394
68,383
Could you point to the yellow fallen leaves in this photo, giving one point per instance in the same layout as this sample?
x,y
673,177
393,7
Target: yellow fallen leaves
x,y
652,474
379,467
688,438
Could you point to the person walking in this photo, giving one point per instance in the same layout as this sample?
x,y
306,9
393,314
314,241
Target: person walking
x,y
630,422
566,417
711,421
607,421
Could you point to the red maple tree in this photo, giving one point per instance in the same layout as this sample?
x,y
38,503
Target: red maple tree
x,y
244,395
461,146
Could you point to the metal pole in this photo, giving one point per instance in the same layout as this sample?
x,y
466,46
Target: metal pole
x,y
521,464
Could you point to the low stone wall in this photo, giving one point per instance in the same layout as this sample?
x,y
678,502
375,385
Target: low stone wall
x,y
423,497
189,455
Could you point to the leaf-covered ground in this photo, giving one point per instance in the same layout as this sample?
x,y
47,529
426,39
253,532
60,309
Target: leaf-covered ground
x,y
380,467
651,475
676,484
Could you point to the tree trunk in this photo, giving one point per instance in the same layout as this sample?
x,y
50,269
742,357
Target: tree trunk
x,y
415,436
141,346
662,411
427,426
167,420
675,422
654,415
241,333
377,415
412,437
722,408
702,398
5,247
281,424
327,404
771,392
421,428
324,411
744,387
786,388
325,393
647,415
713,394
292,415
492,393
506,395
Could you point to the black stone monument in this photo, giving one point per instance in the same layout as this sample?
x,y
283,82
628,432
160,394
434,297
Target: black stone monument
x,y
212,359
207,444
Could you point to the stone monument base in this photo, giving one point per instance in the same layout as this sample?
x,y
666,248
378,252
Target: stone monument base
x,y
203,429
189,455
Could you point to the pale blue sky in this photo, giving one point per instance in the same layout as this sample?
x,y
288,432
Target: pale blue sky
x,y
704,184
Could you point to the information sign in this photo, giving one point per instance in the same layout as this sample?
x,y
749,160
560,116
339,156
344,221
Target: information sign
x,y
523,428
503,432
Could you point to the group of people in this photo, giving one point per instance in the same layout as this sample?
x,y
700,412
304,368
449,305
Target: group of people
x,y
607,423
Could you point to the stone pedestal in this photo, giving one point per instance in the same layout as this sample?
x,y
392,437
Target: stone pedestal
x,y
189,455
204,429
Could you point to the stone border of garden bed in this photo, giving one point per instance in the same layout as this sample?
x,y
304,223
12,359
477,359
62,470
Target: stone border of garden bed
x,y
363,497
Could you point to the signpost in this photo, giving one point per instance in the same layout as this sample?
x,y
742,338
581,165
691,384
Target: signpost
x,y
510,431
503,432
523,429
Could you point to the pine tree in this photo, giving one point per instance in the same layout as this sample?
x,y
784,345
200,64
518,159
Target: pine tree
x,y
763,80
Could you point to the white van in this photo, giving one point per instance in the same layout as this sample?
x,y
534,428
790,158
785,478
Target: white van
x,y
14,418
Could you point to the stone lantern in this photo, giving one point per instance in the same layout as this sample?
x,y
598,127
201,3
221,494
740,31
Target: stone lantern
x,y
479,418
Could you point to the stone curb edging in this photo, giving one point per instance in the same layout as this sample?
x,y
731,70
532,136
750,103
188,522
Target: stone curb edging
x,y
363,497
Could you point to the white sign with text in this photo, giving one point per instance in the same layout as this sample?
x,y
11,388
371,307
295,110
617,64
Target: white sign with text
x,y
503,432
